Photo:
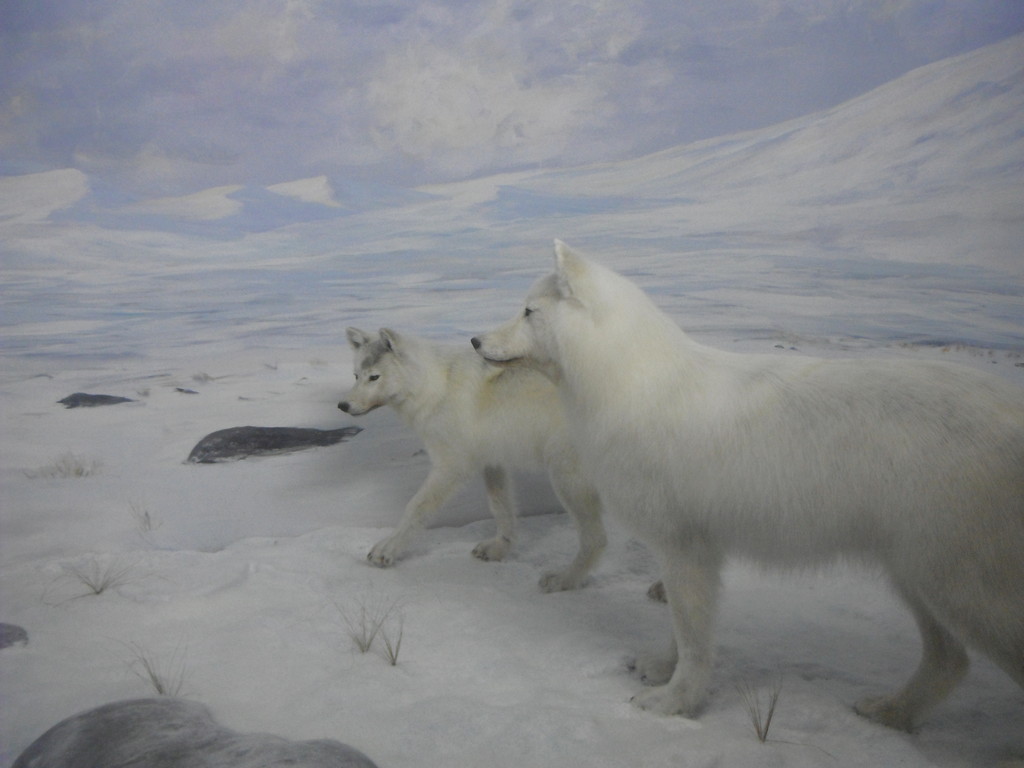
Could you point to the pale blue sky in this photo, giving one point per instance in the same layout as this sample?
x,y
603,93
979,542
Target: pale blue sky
x,y
171,96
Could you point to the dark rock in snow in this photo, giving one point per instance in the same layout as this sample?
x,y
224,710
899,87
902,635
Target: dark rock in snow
x,y
173,733
83,400
239,442
12,634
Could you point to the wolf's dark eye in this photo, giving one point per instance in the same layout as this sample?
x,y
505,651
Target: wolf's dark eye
x,y
527,312
374,377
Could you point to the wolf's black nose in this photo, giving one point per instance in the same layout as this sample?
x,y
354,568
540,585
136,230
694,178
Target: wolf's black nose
x,y
343,406
475,342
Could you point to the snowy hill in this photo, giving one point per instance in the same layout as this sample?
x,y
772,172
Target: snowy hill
x,y
69,196
956,119
926,168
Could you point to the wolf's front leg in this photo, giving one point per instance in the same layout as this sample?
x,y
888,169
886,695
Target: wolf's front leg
x,y
435,491
691,581
657,668
584,505
503,507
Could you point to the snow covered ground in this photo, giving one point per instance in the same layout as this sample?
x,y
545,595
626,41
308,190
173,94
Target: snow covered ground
x,y
890,225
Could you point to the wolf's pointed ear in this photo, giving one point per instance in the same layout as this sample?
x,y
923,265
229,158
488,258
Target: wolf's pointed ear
x,y
390,338
356,337
569,270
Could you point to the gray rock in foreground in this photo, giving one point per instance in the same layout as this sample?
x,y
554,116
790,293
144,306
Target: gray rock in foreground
x,y
239,442
173,733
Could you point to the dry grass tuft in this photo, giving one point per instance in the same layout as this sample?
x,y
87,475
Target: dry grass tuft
x,y
66,466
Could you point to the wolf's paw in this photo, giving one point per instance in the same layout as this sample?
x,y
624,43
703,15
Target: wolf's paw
x,y
654,669
667,700
560,581
886,710
492,549
384,553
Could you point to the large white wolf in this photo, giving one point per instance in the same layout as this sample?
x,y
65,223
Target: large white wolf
x,y
916,466
474,418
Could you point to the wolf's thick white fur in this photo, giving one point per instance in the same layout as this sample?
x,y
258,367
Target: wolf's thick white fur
x,y
474,418
915,466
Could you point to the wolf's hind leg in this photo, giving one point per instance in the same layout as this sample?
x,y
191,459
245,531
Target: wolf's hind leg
x,y
584,505
435,491
503,507
943,663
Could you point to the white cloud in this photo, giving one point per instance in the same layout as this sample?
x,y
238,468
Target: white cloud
x,y
33,197
207,205
314,190
461,113
518,84
257,32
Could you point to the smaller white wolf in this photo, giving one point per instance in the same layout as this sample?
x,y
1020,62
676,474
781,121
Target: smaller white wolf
x,y
474,417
